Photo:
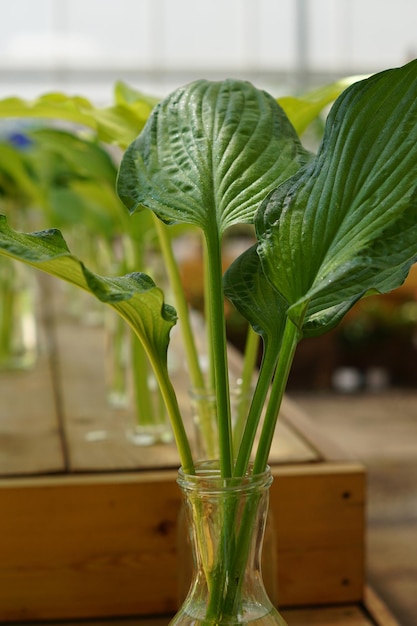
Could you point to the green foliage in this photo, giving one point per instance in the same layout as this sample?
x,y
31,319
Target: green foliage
x,y
331,227
208,154
346,225
118,124
305,109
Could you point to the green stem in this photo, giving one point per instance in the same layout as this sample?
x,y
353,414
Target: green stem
x,y
219,351
239,555
118,331
181,304
266,372
245,386
286,356
191,353
211,383
219,578
144,409
170,399
177,424
8,297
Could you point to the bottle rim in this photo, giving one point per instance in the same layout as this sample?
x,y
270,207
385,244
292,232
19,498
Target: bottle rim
x,y
207,478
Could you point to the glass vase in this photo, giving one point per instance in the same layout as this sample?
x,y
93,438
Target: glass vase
x,y
132,386
226,523
203,403
18,328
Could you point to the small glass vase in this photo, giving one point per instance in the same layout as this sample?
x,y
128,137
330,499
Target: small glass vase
x,y
204,415
18,328
132,386
226,523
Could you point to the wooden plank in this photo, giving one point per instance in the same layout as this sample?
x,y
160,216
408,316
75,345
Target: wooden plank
x,y
320,526
105,545
378,609
305,428
350,615
29,434
96,432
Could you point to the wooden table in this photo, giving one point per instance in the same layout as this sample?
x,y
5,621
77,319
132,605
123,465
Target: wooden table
x,y
90,523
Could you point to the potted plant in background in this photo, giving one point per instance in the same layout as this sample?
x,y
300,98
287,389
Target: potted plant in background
x,y
331,228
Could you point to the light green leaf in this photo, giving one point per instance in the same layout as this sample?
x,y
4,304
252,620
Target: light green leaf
x,y
303,110
125,94
118,124
134,296
53,106
209,154
346,224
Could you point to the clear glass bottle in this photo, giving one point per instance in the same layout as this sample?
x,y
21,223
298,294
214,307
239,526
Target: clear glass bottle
x,y
18,325
132,387
226,522
206,447
204,414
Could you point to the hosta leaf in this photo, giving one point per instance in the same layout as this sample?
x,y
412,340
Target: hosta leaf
x,y
303,110
346,224
134,296
85,158
253,296
125,94
118,124
52,105
209,154
15,176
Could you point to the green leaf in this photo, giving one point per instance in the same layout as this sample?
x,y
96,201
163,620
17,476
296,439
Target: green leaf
x,y
125,94
253,296
134,296
118,124
346,224
303,110
209,154
84,157
53,106
17,180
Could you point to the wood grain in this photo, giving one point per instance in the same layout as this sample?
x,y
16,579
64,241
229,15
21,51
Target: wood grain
x,y
82,379
105,544
98,539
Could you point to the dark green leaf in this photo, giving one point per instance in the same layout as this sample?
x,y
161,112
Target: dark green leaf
x,y
84,157
346,224
209,154
253,296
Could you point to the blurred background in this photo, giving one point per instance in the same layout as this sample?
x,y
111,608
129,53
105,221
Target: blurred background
x,y
83,46
290,47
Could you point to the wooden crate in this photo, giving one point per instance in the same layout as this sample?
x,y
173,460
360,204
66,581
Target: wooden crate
x,y
88,528
102,545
